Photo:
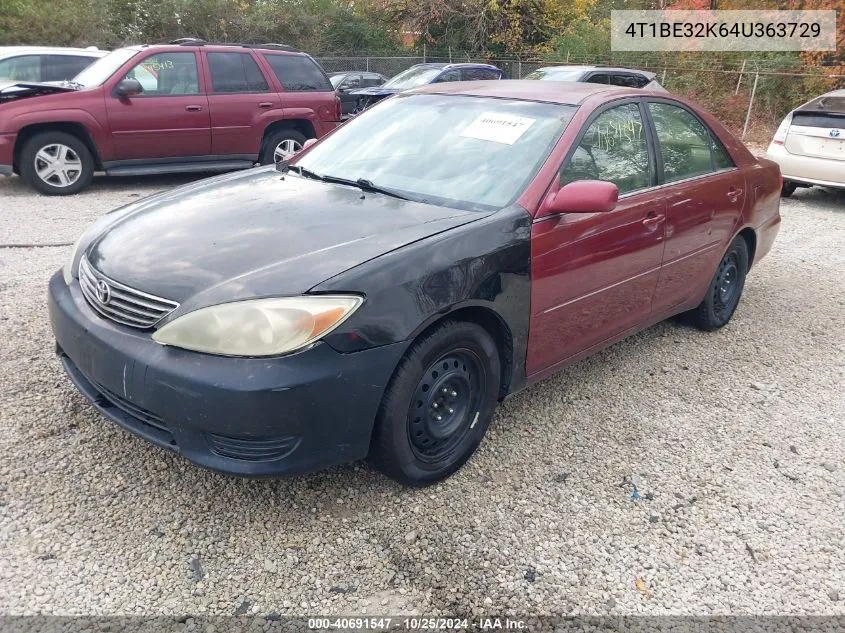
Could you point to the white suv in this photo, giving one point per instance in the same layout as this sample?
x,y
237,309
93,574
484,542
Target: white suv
x,y
809,145
37,64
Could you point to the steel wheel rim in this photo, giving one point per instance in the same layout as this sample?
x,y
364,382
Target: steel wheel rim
x,y
727,287
286,149
58,165
445,404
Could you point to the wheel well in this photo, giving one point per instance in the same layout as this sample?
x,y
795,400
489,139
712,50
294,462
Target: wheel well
x,y
495,327
76,129
751,242
302,126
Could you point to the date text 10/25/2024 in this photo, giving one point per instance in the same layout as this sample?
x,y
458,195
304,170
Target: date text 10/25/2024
x,y
417,623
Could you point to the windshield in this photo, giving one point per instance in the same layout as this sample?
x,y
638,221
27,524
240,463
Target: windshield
x,y
336,79
552,74
413,77
97,73
458,151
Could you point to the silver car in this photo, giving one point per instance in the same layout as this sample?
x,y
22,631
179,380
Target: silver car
x,y
626,77
40,64
809,145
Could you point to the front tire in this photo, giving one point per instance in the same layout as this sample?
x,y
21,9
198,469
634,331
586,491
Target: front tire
x,y
787,189
438,404
725,289
56,164
281,145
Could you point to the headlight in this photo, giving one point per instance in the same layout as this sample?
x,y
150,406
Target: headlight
x,y
67,269
260,327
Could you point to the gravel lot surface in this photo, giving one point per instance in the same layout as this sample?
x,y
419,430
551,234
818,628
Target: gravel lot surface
x,y
734,439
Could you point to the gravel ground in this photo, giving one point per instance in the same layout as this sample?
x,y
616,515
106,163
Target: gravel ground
x,y
735,440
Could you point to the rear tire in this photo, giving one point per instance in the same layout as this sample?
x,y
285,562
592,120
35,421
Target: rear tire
x,y
438,404
787,189
281,145
725,289
56,164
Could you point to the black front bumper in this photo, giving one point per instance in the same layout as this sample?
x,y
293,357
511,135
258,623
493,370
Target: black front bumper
x,y
252,417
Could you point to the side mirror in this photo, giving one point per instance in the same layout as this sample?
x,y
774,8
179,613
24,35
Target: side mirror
x,y
129,88
308,143
582,196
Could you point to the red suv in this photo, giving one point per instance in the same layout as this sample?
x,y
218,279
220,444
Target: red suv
x,y
183,107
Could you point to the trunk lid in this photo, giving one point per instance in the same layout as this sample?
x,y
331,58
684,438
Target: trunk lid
x,y
818,129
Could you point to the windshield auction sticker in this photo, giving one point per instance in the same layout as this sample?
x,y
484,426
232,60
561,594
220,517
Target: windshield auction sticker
x,y
497,127
683,30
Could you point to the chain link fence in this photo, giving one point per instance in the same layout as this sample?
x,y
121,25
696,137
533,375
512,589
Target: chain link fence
x,y
748,97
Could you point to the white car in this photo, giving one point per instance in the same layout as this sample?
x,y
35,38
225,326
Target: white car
x,y
40,64
809,145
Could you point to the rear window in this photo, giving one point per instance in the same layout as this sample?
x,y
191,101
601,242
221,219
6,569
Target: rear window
x,y
298,73
62,67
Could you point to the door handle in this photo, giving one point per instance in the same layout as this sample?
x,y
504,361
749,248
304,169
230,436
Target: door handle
x,y
265,104
652,220
734,193
193,108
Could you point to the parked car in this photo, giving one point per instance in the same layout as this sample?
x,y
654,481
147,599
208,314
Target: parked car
x,y
346,82
380,299
186,107
422,74
625,77
809,145
43,64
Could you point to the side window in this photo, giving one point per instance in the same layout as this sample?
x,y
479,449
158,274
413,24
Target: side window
x,y
721,158
686,146
449,75
598,79
22,68
63,67
628,81
235,72
167,74
478,74
351,82
298,73
372,80
613,148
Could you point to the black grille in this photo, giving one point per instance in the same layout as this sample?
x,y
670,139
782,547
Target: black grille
x,y
124,304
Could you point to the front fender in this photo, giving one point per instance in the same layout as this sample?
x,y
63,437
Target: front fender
x,y
482,264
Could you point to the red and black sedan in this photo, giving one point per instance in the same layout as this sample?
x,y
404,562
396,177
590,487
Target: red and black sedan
x,y
378,295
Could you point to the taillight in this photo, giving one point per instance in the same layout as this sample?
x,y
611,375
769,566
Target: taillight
x,y
783,130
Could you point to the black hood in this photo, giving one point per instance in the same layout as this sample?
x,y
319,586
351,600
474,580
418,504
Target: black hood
x,y
258,233
14,90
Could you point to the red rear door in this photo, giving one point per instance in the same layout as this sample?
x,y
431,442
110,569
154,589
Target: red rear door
x,y
169,118
241,101
704,198
594,275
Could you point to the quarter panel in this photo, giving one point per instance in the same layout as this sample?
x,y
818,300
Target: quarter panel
x,y
480,264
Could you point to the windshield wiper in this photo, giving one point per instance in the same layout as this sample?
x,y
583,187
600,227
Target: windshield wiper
x,y
284,167
362,183
368,185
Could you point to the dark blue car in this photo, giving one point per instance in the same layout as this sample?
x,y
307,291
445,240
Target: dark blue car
x,y
422,74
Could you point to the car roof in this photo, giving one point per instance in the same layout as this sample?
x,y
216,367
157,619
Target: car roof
x,y
219,48
612,69
444,65
561,92
7,51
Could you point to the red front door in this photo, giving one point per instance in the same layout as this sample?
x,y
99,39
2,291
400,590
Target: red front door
x,y
593,276
169,118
